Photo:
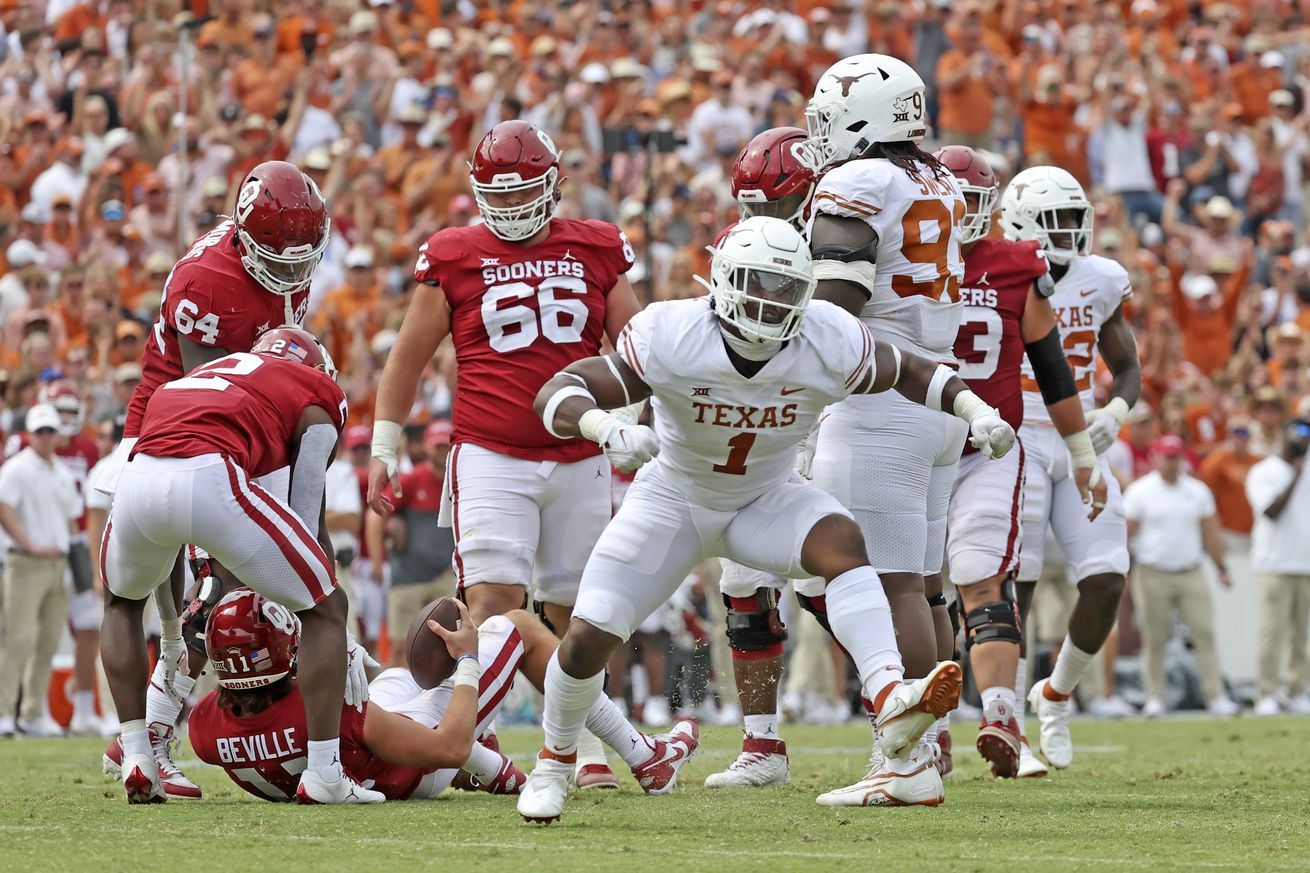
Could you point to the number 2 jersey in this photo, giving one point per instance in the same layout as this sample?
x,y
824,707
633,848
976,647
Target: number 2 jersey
x,y
211,300
916,214
244,406
518,315
726,439
1085,297
998,275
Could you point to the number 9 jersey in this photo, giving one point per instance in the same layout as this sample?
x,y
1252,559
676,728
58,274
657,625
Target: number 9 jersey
x,y
518,315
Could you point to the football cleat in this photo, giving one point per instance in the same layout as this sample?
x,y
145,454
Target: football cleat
x,y
542,797
592,770
998,743
87,725
1154,708
913,782
945,763
912,707
1030,766
314,789
1223,706
761,762
659,773
176,786
1267,706
44,727
1054,741
1113,706
141,780
509,780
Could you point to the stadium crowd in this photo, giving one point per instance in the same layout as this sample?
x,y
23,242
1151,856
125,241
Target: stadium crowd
x,y
124,125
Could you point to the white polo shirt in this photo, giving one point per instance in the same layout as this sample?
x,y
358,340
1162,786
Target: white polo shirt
x,y
1279,545
43,495
341,494
1168,521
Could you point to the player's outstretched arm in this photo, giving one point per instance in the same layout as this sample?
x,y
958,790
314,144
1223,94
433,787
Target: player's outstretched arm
x,y
1118,348
574,401
937,387
844,251
1041,338
426,324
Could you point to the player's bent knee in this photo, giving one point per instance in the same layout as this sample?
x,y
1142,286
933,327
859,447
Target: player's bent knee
x,y
834,546
1108,587
816,606
992,621
754,625
586,649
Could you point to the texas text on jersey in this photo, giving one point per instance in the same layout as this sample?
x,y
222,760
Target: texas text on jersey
x,y
519,314
210,299
998,275
249,411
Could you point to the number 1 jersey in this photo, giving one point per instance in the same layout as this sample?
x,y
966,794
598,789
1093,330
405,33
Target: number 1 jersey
x,y
518,315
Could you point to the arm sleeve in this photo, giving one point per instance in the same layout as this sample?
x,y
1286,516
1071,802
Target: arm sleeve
x,y
634,342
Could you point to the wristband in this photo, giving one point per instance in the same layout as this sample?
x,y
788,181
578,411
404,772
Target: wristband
x,y
467,671
940,377
1080,449
969,406
171,628
1118,407
592,422
386,436
553,404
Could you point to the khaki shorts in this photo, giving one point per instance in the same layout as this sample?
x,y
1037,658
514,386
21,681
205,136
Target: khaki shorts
x,y
406,600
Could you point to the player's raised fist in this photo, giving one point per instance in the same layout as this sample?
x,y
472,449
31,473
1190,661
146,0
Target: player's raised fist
x,y
991,435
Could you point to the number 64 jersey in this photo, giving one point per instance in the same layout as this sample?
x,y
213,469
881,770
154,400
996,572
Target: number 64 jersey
x,y
725,439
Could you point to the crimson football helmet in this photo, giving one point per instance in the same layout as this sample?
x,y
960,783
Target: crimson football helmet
x,y
64,397
515,156
251,640
295,344
769,179
282,226
976,177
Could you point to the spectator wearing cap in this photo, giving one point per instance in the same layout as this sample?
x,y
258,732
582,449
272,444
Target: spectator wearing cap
x,y
260,79
1218,237
1253,79
155,218
213,205
1287,356
62,230
1279,494
37,149
1206,314
123,381
1172,526
26,260
969,78
718,126
1126,167
71,305
63,176
1224,471
396,159
129,342
354,312
1166,141
419,550
1290,138
39,508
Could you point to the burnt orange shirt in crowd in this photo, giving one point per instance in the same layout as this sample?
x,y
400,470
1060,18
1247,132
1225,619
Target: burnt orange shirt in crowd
x,y
1224,471
337,316
1208,336
967,107
228,35
259,87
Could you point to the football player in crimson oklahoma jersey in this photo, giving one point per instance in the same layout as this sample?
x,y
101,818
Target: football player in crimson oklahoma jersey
x,y
203,439
1005,290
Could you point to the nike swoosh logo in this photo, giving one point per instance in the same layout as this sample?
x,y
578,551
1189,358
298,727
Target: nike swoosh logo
x,y
785,391
1087,293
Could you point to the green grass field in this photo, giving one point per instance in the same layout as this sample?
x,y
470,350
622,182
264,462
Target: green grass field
x,y
1177,794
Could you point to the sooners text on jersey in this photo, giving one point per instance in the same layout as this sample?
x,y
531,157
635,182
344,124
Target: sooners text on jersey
x,y
244,406
518,315
211,300
997,277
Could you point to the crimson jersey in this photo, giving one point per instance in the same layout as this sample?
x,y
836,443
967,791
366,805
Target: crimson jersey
x,y
244,406
211,300
997,276
265,753
518,315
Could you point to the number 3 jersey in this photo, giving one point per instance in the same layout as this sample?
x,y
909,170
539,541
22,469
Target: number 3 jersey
x,y
726,439
211,300
916,214
1085,297
518,315
244,406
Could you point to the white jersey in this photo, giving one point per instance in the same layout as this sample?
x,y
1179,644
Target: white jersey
x,y
915,302
1084,299
725,440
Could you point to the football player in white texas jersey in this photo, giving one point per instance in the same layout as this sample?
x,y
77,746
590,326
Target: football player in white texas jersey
x,y
737,380
885,237
1046,204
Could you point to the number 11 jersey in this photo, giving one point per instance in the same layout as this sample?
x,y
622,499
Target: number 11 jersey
x,y
518,315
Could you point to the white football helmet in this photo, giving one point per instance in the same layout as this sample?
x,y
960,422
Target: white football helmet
x,y
1048,205
761,279
859,101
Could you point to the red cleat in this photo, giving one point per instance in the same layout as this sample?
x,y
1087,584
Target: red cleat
x,y
660,773
945,763
998,743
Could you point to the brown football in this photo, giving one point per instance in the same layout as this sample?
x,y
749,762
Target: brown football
x,y
425,652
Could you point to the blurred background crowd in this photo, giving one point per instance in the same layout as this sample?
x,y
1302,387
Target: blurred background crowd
x,y
124,125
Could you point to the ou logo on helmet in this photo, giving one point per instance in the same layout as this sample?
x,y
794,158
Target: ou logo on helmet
x,y
246,199
280,617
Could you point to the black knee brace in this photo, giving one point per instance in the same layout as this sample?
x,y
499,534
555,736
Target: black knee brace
x,y
938,599
539,607
754,624
817,607
196,613
994,621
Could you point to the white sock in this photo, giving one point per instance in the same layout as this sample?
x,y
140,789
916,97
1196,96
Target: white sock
x,y
135,738
998,703
483,763
568,702
590,748
1070,666
861,620
325,758
84,703
762,727
1021,694
160,708
606,721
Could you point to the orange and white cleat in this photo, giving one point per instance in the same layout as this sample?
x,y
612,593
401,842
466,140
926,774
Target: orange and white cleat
x,y
911,708
912,781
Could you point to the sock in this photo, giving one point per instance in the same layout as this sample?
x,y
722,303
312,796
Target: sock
x,y
160,708
568,701
607,721
483,763
762,727
998,704
1021,694
861,621
84,703
590,749
135,738
1070,666
325,758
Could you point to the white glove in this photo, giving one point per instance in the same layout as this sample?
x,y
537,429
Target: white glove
x,y
357,658
1103,424
991,434
627,446
172,655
